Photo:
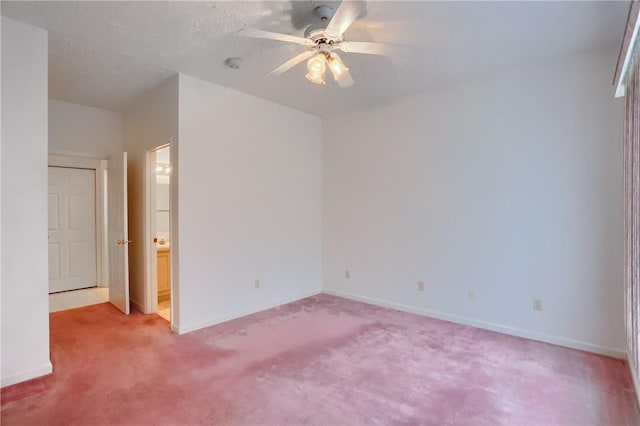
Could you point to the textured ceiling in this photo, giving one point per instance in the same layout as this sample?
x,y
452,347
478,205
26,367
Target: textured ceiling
x,y
106,54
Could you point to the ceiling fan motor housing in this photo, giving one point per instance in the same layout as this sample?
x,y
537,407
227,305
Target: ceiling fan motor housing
x,y
324,13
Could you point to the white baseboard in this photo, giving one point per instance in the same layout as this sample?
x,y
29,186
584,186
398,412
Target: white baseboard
x,y
27,374
636,381
244,312
527,334
137,305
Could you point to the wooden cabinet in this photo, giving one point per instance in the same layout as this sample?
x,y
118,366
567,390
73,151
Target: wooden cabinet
x,y
164,274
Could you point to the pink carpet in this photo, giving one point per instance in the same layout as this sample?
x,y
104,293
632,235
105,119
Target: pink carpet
x,y
322,360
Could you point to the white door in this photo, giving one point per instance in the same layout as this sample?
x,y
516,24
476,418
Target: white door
x,y
72,229
118,231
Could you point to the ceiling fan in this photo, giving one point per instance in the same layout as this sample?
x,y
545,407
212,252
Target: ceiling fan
x,y
322,41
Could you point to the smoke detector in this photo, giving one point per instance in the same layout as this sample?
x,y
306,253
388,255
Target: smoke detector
x,y
233,62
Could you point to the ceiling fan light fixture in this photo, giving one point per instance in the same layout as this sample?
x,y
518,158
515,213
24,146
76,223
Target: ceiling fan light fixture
x,y
316,67
336,66
339,70
317,79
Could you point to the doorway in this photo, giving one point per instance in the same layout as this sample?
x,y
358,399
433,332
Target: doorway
x,y
159,227
76,226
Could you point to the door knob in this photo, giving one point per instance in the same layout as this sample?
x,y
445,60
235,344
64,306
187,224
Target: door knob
x,y
124,241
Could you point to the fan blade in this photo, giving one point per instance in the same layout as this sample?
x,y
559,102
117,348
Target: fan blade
x,y
250,32
347,12
343,78
293,62
366,47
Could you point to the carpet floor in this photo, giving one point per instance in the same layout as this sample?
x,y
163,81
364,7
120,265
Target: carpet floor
x,y
322,360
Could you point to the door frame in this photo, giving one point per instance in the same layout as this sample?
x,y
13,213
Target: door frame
x,y
100,167
150,252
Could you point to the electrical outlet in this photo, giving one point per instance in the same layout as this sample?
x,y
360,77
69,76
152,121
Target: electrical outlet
x,y
346,273
420,285
256,284
472,295
537,304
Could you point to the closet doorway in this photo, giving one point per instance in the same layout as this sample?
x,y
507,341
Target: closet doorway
x,y
76,232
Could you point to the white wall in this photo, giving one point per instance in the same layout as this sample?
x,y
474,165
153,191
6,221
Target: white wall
x,y
82,130
151,122
511,186
1,332
250,182
25,303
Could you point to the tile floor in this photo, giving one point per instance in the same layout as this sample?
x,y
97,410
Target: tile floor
x,y
92,296
164,310
77,298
